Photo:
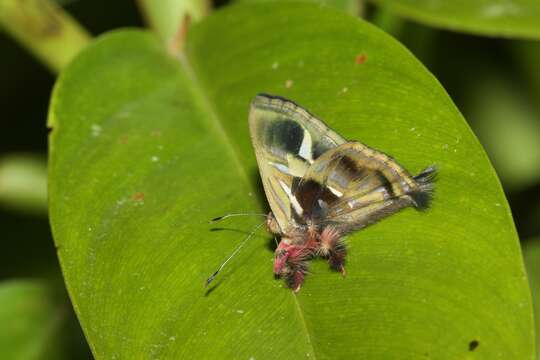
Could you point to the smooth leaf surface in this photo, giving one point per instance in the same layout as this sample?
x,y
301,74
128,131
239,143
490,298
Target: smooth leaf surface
x,y
531,254
509,18
29,321
146,148
353,7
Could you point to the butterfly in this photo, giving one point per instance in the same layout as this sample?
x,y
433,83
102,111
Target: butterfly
x,y
321,187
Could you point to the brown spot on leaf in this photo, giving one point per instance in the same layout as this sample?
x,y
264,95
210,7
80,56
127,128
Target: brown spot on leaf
x,y
156,133
139,196
123,139
473,345
288,83
360,59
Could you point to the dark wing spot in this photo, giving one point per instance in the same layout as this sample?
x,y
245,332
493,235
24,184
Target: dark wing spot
x,y
350,168
386,184
286,135
473,345
307,194
314,199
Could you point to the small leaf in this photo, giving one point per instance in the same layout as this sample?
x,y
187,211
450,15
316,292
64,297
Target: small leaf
x,y
510,18
29,321
146,149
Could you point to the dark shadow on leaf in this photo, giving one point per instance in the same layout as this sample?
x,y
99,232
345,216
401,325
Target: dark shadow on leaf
x,y
212,288
229,229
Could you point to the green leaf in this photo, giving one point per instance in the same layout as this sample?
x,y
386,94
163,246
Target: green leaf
x,y
531,253
353,7
29,321
146,148
511,18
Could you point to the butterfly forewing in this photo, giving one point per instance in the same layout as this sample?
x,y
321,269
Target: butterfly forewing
x,y
287,140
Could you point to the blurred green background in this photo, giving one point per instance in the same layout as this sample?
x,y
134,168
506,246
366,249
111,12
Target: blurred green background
x,y
495,83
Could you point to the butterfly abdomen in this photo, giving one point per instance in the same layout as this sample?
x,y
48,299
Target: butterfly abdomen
x,y
423,195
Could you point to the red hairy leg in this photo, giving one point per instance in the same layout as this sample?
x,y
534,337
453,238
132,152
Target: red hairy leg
x,y
291,261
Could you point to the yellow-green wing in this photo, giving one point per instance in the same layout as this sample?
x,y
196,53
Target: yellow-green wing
x,y
352,186
287,139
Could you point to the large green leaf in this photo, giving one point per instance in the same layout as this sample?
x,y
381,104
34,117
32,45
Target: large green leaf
x,y
146,148
531,253
353,7
509,18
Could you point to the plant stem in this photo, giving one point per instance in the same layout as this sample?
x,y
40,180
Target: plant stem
x,y
45,29
170,18
23,183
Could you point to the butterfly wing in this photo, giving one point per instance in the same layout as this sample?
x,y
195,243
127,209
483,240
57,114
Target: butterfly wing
x,y
287,139
352,186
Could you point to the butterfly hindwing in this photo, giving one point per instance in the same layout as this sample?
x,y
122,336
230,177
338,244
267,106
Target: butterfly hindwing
x,y
287,140
352,186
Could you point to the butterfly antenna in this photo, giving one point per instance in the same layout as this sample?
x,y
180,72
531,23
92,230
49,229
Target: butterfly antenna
x,y
213,276
219,218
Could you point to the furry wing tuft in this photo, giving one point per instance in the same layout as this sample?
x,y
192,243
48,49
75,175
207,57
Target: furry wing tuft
x,y
425,180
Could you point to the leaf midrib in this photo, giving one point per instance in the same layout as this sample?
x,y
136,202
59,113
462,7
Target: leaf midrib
x,y
215,121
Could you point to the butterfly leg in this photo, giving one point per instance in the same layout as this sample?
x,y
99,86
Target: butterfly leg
x,y
337,258
291,261
295,278
333,247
